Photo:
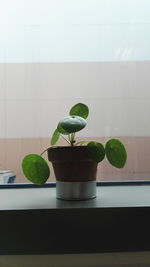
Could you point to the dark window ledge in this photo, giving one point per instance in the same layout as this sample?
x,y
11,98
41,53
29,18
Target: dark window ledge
x,y
33,221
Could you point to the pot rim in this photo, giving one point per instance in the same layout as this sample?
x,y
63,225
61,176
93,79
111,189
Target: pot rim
x,y
67,147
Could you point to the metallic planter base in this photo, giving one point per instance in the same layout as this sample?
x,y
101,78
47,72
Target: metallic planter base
x,y
76,190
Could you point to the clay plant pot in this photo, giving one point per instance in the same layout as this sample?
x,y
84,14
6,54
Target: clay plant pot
x,y
75,172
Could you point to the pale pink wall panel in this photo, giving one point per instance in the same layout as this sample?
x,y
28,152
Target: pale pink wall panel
x,y
137,167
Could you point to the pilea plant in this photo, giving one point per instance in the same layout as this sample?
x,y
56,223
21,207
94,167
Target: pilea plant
x,y
36,169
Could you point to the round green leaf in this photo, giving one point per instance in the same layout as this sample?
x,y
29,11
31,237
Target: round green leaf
x,y
55,137
80,109
96,151
116,153
72,124
35,169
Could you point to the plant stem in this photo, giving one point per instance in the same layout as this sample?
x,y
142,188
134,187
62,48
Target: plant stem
x,y
44,151
65,139
72,141
82,143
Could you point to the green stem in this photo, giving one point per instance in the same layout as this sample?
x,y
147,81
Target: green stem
x,y
72,141
44,151
82,143
65,139
69,137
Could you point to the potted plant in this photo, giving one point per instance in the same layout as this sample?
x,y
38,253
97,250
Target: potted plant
x,y
75,165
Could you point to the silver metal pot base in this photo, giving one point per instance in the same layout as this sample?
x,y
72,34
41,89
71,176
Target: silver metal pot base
x,y
75,190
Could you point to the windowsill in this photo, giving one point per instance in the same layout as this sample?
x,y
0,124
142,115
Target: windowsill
x,y
45,198
33,221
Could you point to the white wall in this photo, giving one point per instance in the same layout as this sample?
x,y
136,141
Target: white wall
x,y
74,30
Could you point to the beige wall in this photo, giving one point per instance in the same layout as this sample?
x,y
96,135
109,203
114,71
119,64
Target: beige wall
x,y
35,96
137,167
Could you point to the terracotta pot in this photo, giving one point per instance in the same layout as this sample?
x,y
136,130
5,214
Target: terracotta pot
x,y
75,172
